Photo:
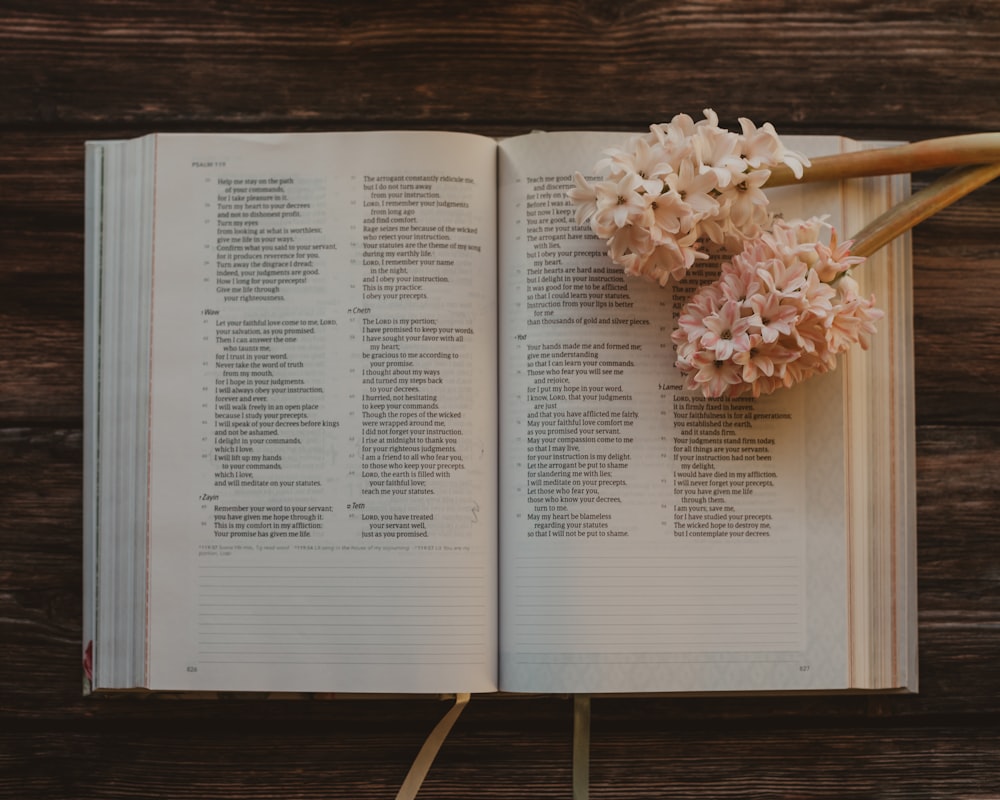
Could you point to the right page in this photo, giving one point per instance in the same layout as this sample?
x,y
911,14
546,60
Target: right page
x,y
652,540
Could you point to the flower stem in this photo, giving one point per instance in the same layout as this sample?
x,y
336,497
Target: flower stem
x,y
949,151
918,207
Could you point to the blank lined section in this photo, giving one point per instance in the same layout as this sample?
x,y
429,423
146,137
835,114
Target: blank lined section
x,y
675,604
340,615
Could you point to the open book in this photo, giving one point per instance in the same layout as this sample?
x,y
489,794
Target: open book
x,y
371,412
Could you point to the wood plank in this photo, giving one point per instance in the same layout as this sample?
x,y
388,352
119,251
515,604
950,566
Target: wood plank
x,y
666,759
397,63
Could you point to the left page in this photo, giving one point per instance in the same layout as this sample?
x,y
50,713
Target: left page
x,y
322,477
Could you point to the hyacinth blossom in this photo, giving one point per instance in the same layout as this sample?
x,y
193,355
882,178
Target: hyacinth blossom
x,y
786,305
685,184
782,310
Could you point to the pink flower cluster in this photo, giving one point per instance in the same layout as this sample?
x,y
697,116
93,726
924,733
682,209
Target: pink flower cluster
x,y
682,184
781,311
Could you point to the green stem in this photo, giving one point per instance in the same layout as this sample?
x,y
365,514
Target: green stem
x,y
949,151
918,207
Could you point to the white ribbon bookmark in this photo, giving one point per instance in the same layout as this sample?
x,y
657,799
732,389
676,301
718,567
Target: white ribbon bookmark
x,y
581,747
422,763
425,758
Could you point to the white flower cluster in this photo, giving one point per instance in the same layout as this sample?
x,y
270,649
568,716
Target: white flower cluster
x,y
783,309
683,183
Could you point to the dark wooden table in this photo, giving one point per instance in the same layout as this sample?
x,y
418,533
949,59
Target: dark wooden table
x,y
899,69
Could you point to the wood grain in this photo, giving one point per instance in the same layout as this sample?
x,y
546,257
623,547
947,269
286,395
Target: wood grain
x,y
352,63
900,69
671,759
